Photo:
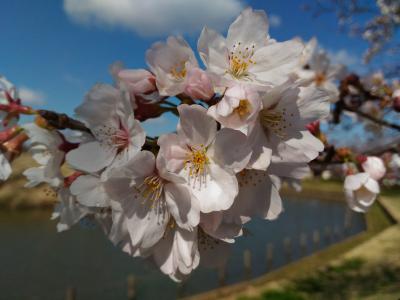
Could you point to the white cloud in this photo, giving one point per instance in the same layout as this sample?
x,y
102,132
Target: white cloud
x,y
155,17
30,96
274,20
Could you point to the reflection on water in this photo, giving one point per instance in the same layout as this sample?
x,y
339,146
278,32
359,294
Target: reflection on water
x,y
38,263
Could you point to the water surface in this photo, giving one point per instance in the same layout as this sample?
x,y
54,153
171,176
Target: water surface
x,y
38,263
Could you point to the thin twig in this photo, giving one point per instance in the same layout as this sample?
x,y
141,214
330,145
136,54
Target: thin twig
x,y
373,119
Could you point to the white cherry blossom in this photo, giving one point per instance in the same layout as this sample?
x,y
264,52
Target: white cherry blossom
x,y
238,109
248,55
117,135
319,71
68,211
206,158
361,191
47,150
170,62
176,253
375,167
149,198
281,129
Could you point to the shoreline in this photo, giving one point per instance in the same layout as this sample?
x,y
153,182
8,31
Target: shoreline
x,y
382,217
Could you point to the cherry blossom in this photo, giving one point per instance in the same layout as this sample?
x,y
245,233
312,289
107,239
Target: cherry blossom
x,y
317,68
117,135
238,109
171,62
248,124
361,191
176,253
281,127
374,166
198,85
150,197
206,158
48,149
248,55
68,211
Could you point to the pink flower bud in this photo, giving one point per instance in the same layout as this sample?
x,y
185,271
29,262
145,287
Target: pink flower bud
x,y
13,147
198,85
71,178
138,81
13,109
9,133
145,109
313,127
375,167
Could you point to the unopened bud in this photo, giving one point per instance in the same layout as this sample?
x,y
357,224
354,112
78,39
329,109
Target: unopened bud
x,y
13,147
343,153
361,158
313,127
146,109
138,81
198,85
9,133
71,178
42,123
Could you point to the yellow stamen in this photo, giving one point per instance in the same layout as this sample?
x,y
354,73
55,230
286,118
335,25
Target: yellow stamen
x,y
320,78
179,70
240,60
244,108
151,189
197,161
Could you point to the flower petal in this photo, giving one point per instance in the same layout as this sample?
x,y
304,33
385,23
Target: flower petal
x,y
5,167
89,191
276,61
179,200
217,192
213,52
231,149
195,126
91,157
250,27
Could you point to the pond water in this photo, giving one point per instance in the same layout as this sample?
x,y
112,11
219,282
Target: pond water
x,y
38,263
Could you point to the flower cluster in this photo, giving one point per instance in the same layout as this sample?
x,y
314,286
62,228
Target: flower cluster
x,y
246,123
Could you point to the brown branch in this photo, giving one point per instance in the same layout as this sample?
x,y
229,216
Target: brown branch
x,y
62,121
373,119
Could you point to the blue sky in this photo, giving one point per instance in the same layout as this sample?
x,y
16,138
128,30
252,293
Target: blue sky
x,y
56,50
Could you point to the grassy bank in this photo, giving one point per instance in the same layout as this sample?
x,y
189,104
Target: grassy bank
x,y
366,267
13,194
334,265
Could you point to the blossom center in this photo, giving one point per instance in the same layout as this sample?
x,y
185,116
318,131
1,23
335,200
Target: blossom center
x,y
250,178
121,138
276,121
244,108
151,189
196,162
112,136
240,59
179,71
320,78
